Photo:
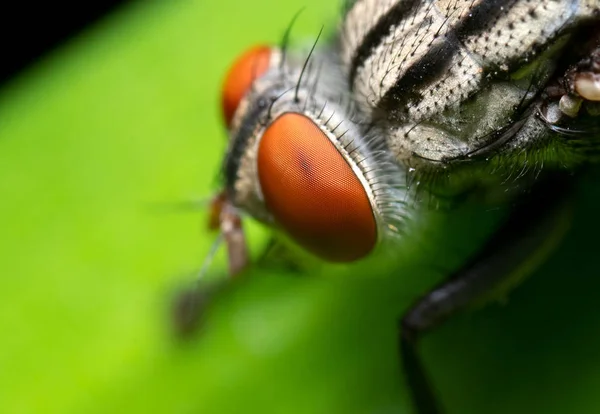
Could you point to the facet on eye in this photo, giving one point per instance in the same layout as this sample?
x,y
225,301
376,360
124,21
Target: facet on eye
x,y
248,67
312,191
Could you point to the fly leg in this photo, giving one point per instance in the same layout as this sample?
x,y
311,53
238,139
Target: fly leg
x,y
524,240
190,305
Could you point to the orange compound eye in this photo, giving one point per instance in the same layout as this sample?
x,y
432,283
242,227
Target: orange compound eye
x,y
242,73
312,192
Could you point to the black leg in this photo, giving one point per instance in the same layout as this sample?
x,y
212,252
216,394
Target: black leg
x,y
524,240
422,392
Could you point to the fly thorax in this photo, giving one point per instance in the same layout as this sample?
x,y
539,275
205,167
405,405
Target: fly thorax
x,y
447,79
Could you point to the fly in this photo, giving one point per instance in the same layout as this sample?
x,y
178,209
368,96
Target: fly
x,y
416,103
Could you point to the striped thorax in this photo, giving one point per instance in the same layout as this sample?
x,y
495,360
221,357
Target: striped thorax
x,y
447,80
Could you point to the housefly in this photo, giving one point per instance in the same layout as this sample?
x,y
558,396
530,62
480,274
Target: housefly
x,y
415,104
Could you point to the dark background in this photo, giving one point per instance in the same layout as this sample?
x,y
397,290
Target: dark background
x,y
29,30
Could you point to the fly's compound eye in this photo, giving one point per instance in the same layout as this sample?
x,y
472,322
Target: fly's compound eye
x,y
312,191
248,67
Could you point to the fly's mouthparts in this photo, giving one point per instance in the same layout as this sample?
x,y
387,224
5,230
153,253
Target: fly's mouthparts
x,y
225,218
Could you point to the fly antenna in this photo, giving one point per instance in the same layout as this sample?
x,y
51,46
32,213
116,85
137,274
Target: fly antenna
x,y
312,49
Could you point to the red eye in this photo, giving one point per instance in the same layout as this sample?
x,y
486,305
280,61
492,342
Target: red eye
x,y
242,73
312,191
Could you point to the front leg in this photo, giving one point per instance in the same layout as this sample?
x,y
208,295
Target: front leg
x,y
522,242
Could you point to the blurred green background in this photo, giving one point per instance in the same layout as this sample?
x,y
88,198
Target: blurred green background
x,y
125,118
